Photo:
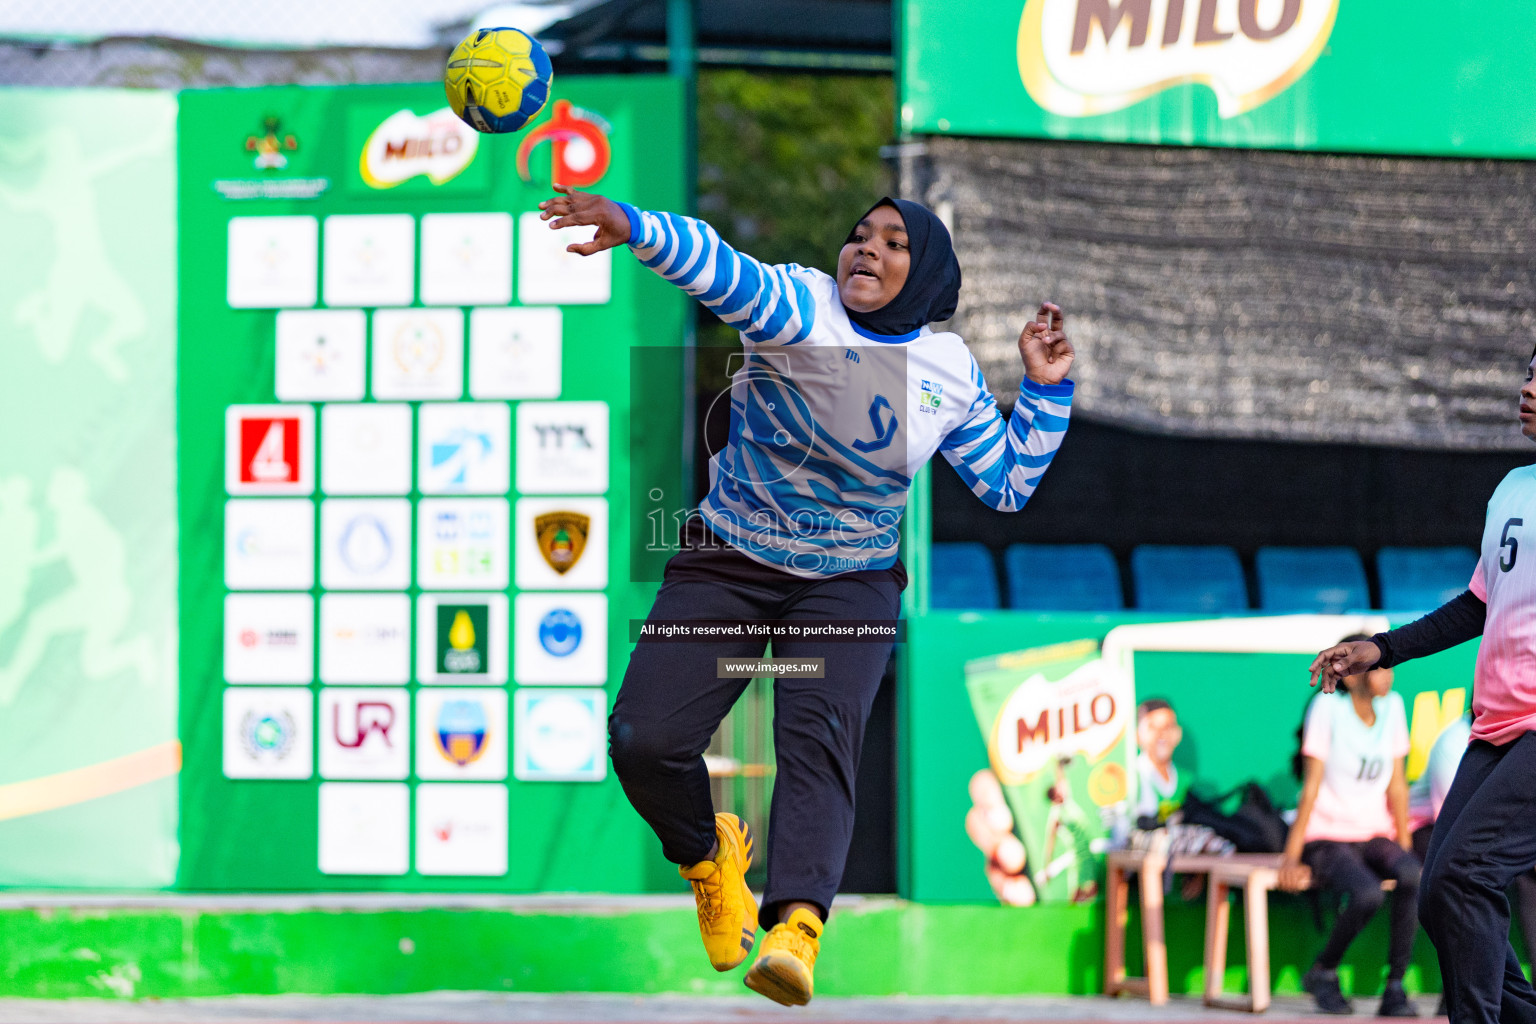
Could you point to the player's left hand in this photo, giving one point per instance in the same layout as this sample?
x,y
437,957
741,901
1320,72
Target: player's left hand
x,y
1044,347
577,209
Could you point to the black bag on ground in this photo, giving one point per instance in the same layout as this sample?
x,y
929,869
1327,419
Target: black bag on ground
x,y
1254,827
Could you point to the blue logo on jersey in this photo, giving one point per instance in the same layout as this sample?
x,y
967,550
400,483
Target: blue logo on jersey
x,y
560,632
885,429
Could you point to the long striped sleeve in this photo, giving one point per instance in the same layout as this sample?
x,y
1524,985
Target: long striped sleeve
x,y
1002,461
767,304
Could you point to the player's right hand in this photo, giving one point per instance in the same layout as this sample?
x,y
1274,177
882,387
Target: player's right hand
x,y
572,209
1340,660
1294,876
989,823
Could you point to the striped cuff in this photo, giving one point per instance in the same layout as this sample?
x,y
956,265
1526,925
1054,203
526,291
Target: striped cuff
x,y
636,228
1062,390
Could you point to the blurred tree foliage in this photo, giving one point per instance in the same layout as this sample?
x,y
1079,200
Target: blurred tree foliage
x,y
786,162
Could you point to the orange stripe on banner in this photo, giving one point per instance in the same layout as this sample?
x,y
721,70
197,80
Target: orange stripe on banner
x,y
18,799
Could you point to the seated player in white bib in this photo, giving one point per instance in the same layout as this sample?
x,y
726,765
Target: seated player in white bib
x,y
845,393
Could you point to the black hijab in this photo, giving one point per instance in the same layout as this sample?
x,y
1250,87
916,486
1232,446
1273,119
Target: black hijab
x,y
933,281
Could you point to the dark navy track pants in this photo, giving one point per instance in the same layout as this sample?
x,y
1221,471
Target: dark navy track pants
x,y
672,701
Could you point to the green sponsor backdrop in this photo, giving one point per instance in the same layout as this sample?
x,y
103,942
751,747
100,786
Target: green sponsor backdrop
x,y
87,487
263,834
1392,76
1240,712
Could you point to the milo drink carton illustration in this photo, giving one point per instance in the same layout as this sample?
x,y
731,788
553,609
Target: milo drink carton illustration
x,y
1058,724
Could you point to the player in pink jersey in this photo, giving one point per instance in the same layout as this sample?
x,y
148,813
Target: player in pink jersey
x,y
1486,832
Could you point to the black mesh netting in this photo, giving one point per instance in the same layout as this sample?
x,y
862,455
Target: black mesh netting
x,y
1252,294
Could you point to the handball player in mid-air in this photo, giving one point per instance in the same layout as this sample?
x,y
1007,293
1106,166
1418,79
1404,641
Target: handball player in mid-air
x,y
845,393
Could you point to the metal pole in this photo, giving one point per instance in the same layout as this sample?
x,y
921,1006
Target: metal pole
x,y
683,65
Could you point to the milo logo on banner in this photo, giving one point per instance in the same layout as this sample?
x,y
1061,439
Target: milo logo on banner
x,y
1078,58
1057,724
463,638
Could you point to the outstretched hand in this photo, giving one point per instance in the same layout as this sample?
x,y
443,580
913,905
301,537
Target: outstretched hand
x,y
1340,660
572,209
1044,347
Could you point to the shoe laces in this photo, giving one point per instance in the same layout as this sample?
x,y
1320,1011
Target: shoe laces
x,y
709,891
792,939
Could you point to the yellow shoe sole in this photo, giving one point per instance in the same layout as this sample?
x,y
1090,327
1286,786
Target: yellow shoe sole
x,y
784,979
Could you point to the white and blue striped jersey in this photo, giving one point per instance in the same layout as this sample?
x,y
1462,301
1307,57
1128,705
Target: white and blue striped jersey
x,y
830,422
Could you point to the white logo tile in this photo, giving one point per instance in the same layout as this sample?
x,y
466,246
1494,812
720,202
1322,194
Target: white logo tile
x,y
321,355
464,448
269,638
364,734
475,654
418,353
365,449
562,447
560,638
466,259
461,829
272,262
268,732
365,828
269,450
562,735
515,353
461,734
365,638
588,569
370,260
269,543
462,544
547,275
365,543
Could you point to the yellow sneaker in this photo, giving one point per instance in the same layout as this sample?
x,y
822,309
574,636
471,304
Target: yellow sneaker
x,y
727,911
785,966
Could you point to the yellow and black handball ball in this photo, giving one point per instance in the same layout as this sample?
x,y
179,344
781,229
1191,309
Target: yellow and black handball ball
x,y
498,79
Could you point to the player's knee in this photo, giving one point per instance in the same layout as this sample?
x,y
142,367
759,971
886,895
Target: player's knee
x,y
1437,898
1408,876
638,748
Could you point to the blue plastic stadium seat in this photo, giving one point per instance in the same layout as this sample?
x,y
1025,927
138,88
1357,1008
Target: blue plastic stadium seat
x,y
962,576
1171,578
1063,578
1419,579
1330,580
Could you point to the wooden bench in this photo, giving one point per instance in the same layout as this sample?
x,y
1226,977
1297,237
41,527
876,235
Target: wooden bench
x,y
1254,874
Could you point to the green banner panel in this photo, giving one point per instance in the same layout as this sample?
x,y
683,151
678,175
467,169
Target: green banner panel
x,y
407,469
1239,687
88,749
1412,77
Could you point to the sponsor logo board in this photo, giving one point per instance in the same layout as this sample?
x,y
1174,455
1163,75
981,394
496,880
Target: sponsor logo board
x,y
548,275
561,735
438,146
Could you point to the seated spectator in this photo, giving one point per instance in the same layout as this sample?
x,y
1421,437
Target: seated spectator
x,y
1159,790
1351,829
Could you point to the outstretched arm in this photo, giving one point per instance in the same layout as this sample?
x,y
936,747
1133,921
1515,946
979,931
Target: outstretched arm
x,y
768,304
1002,461
1458,620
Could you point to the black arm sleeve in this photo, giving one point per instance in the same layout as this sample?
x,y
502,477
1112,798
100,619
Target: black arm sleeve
x,y
1455,622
